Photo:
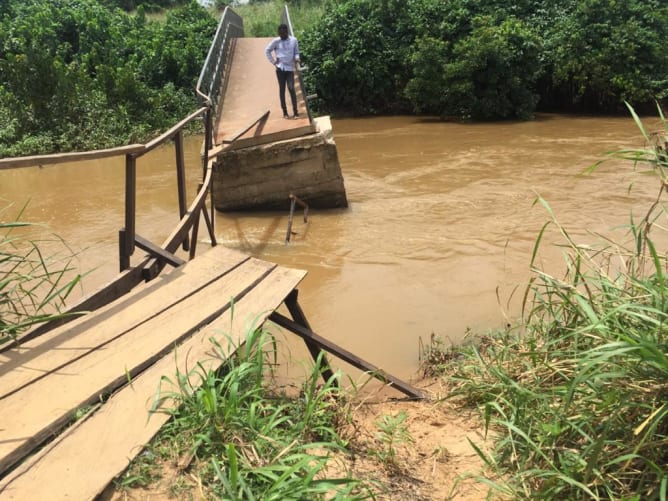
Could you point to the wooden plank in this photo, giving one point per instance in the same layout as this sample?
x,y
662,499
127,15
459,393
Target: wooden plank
x,y
122,285
36,358
123,425
114,295
31,415
157,251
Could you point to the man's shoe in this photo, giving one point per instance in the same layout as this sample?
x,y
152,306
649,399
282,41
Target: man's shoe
x,y
285,115
296,116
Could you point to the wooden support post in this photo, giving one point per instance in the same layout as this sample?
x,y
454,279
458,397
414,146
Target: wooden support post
x,y
209,225
313,339
208,139
300,319
195,230
126,237
210,221
181,178
123,257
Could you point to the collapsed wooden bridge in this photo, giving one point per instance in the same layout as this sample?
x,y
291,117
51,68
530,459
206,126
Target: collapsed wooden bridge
x,y
80,396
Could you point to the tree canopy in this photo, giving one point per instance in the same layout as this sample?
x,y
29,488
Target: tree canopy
x,y
487,58
78,74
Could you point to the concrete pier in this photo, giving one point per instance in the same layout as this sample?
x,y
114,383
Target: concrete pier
x,y
262,177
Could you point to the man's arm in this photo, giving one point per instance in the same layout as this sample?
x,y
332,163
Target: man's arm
x,y
268,52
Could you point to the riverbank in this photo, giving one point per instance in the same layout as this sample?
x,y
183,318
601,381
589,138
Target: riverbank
x,y
431,457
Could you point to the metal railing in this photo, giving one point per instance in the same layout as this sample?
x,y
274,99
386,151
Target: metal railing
x,y
215,71
285,19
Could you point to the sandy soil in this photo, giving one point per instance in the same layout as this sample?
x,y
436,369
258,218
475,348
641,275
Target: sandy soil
x,y
439,464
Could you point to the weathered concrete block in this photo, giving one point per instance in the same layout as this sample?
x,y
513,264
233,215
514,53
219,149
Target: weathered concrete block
x,y
262,177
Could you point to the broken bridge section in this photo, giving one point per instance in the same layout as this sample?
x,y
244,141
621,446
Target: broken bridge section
x,y
260,157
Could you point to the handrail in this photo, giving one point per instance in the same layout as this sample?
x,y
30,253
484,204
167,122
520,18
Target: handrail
x,y
150,265
56,158
211,82
215,71
166,136
136,150
285,19
127,237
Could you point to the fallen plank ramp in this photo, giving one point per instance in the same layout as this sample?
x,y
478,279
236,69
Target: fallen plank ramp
x,y
126,351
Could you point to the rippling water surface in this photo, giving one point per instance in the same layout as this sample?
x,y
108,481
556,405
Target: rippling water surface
x,y
439,233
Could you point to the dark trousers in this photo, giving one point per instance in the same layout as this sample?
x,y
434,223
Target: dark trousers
x,y
287,78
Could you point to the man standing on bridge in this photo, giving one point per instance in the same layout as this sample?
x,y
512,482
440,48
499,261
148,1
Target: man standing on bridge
x,y
283,53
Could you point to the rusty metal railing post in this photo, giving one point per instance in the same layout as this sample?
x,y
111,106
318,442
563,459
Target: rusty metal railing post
x,y
295,200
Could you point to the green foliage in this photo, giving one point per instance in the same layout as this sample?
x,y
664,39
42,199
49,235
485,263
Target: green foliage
x,y
77,75
148,5
605,52
248,442
578,399
355,57
488,74
487,58
392,431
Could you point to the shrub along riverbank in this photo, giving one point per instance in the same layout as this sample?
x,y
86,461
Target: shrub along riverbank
x,y
576,397
78,75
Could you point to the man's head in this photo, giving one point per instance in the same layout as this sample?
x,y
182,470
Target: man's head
x,y
283,31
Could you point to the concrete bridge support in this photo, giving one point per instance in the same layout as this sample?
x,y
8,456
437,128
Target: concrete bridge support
x,y
262,177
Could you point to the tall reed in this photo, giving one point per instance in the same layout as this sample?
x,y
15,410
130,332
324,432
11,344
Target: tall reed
x,y
577,397
34,286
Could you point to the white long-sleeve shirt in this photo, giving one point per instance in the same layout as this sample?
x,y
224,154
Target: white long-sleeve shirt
x,y
283,53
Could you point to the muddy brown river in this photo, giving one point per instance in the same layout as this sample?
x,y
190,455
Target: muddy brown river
x,y
437,239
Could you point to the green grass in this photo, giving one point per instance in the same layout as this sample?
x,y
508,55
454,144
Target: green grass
x,y
262,19
577,396
242,439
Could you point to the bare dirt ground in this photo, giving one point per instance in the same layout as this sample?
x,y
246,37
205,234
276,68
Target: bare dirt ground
x,y
436,463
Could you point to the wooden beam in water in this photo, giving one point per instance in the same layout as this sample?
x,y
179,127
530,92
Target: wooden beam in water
x,y
345,355
297,313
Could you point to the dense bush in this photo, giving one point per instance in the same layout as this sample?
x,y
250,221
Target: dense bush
x,y
606,51
487,74
85,74
356,59
487,58
75,74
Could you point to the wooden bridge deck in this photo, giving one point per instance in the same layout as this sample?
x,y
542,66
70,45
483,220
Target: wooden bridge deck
x,y
252,89
122,352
